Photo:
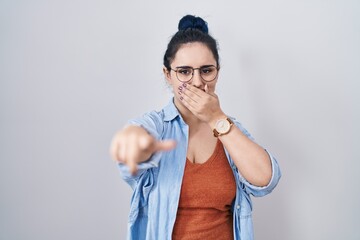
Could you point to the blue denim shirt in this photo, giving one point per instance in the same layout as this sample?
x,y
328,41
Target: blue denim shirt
x,y
157,185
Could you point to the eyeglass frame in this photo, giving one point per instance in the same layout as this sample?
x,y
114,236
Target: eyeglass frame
x,y
193,72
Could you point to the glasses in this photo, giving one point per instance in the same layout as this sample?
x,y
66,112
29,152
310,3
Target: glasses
x,y
207,73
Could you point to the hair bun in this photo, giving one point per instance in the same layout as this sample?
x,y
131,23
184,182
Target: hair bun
x,y
190,21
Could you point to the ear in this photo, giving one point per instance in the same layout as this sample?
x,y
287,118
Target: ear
x,y
167,74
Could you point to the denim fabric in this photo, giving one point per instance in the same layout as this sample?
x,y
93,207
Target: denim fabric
x,y
157,184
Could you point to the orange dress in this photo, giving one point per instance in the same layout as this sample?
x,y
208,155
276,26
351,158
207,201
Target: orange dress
x,y
207,192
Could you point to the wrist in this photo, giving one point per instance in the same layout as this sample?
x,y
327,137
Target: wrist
x,y
215,118
222,126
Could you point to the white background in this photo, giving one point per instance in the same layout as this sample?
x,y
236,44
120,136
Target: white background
x,y
72,73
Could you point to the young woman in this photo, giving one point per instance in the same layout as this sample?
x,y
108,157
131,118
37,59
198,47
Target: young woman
x,y
191,166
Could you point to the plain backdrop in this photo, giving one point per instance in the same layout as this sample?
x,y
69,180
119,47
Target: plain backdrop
x,y
73,72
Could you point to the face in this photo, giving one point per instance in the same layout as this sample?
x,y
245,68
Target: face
x,y
193,55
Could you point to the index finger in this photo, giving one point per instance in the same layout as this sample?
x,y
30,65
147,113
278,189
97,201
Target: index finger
x,y
198,92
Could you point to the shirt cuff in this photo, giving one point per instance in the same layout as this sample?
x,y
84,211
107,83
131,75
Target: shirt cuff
x,y
264,190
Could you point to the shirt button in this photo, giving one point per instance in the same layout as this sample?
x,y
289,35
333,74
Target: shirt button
x,y
237,206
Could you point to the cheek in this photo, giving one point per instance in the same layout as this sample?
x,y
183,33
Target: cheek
x,y
212,85
175,88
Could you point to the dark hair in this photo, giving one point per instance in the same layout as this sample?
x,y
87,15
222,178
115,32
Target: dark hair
x,y
191,29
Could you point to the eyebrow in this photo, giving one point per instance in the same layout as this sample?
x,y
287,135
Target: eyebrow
x,y
204,66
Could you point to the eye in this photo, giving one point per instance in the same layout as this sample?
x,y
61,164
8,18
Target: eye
x,y
207,70
184,71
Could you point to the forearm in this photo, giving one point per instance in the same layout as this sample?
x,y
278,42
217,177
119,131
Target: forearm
x,y
252,160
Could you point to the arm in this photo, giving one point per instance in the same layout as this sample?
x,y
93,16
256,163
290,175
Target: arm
x,y
254,164
251,160
138,142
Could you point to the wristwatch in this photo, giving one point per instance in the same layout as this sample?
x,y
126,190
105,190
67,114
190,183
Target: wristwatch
x,y
222,127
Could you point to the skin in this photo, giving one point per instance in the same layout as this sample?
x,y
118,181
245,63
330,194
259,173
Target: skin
x,y
200,108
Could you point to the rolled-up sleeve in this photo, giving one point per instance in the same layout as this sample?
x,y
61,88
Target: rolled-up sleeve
x,y
264,190
258,191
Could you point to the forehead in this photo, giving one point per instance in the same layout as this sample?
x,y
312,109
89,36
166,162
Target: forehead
x,y
194,54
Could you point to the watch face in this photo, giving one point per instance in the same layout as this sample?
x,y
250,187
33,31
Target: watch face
x,y
222,126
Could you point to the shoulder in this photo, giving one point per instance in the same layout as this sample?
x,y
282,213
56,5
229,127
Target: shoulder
x,y
152,121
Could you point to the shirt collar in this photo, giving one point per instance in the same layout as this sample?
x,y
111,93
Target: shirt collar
x,y
170,111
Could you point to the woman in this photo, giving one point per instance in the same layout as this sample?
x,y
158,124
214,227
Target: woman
x,y
191,166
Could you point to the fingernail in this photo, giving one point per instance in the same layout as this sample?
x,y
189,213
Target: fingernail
x,y
181,98
184,84
179,93
180,87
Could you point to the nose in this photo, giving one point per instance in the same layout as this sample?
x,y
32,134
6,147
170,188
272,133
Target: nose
x,y
196,79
